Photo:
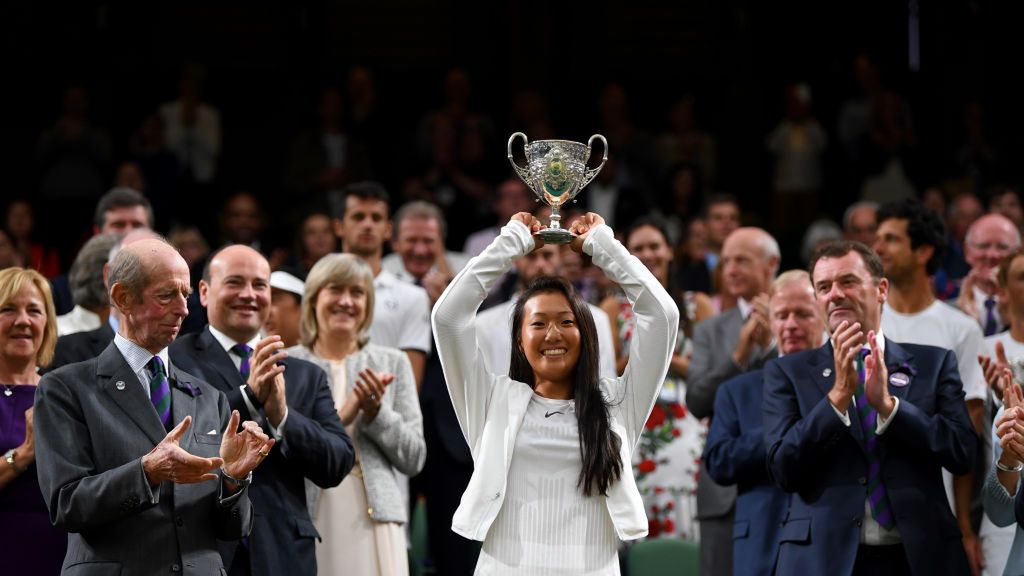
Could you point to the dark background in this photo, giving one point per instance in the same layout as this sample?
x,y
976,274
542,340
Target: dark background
x,y
267,62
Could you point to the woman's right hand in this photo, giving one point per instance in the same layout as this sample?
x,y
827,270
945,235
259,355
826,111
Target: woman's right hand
x,y
27,450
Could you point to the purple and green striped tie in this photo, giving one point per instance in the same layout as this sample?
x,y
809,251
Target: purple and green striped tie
x,y
160,390
878,499
244,352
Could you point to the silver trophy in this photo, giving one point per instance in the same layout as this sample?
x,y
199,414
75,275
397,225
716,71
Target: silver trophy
x,y
556,171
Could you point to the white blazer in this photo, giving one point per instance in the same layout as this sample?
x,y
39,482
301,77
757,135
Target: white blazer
x,y
490,407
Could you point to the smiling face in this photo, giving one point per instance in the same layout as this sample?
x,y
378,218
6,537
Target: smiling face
x,y
340,309
846,290
647,244
237,295
550,337
418,242
989,240
22,324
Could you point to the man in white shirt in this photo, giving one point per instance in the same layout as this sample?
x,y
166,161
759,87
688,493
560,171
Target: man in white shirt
x,y
989,239
910,242
401,311
494,325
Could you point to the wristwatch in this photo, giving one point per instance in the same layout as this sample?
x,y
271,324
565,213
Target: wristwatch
x,y
9,456
240,482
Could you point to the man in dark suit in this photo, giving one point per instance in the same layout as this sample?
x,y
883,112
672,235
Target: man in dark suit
x,y
735,453
139,494
859,431
725,346
290,399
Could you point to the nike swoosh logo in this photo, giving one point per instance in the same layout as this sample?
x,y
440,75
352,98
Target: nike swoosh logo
x,y
550,414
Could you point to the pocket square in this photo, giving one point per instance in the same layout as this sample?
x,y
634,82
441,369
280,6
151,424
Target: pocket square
x,y
212,432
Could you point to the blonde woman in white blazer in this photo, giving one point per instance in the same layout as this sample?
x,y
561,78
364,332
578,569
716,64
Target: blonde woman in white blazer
x,y
552,491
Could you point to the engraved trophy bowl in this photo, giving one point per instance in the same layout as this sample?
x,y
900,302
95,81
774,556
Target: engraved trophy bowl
x,y
556,171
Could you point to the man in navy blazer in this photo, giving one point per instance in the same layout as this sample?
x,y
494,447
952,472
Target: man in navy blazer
x,y
735,449
863,461
291,400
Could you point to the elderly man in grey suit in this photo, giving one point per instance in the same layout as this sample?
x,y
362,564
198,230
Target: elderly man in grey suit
x,y
140,463
729,344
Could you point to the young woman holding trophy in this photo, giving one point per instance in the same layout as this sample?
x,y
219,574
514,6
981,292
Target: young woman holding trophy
x,y
552,443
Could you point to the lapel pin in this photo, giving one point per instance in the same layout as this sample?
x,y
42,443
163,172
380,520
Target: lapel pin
x,y
119,385
899,379
826,372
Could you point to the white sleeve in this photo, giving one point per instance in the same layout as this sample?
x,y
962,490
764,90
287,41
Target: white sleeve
x,y
657,325
454,321
971,376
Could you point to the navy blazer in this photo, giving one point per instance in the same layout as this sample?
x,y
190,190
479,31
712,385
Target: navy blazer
x,y
314,446
735,454
812,454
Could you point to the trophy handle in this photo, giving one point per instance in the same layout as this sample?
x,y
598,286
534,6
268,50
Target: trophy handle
x,y
591,173
523,173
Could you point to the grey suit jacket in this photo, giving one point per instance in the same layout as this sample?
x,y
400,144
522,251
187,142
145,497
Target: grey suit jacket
x,y
93,423
714,341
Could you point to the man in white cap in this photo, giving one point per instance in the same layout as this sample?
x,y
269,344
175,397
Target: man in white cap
x,y
285,307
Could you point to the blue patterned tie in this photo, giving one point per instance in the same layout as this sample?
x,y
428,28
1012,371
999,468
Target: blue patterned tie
x,y
991,326
160,390
878,499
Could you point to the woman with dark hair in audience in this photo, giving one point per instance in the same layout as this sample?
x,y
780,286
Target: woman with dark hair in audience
x,y
28,333
551,489
361,521
666,461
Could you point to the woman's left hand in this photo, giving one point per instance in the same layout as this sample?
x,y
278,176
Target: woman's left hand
x,y
582,228
369,388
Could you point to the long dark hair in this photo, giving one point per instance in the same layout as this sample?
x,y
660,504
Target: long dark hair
x,y
599,446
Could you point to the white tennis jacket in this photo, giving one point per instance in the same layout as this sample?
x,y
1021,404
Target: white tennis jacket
x,y
490,407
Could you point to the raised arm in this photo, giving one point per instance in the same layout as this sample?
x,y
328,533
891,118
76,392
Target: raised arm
x,y
657,325
465,371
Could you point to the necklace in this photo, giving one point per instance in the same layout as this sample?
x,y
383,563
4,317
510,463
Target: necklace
x,y
8,390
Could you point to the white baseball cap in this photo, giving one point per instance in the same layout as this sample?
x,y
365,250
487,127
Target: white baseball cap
x,y
287,282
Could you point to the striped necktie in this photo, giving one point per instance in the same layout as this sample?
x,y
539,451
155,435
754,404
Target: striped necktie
x,y
878,499
160,390
244,352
